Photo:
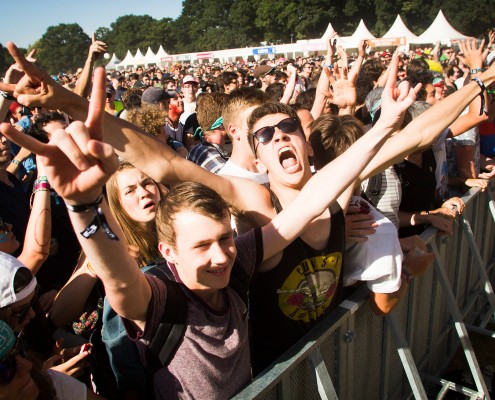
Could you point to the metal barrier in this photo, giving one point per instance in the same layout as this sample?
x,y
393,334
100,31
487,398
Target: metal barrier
x,y
352,354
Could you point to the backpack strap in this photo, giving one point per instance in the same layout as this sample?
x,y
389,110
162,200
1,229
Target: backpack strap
x,y
374,189
172,326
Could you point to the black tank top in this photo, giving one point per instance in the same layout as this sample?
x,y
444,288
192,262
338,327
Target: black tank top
x,y
287,301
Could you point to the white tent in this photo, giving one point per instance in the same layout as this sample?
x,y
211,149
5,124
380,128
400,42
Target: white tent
x,y
328,32
112,64
399,29
149,57
139,58
361,33
161,53
127,61
439,30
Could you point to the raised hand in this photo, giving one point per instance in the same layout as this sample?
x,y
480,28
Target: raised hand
x,y
77,163
97,49
473,56
395,100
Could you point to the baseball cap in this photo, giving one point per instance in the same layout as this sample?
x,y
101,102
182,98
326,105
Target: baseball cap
x,y
262,70
13,274
189,79
154,95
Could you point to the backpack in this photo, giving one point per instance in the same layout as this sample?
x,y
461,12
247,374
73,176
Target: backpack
x,y
122,358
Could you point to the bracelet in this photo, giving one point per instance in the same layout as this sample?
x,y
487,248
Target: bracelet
x,y
16,162
329,66
41,185
7,96
483,88
31,199
476,70
406,276
99,221
41,178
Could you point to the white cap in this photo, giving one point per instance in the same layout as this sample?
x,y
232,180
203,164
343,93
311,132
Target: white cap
x,y
8,268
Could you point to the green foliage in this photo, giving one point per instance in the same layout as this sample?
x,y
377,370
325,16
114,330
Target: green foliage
x,y
220,24
63,48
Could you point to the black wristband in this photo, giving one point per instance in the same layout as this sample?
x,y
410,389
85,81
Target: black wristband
x,y
483,88
79,208
99,221
7,96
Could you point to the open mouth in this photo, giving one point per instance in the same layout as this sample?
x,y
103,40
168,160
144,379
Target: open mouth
x,y
149,205
287,158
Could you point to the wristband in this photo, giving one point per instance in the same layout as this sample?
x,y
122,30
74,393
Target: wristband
x,y
16,162
42,178
406,276
476,70
99,221
329,66
31,199
7,96
41,185
483,88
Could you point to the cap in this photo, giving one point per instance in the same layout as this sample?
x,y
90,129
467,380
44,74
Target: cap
x,y
262,70
154,95
7,339
189,79
490,58
9,267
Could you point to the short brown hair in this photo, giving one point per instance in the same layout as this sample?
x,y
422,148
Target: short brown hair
x,y
331,135
237,102
209,109
189,196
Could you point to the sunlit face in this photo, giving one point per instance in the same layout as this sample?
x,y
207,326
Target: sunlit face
x,y
22,386
204,256
189,90
176,105
286,156
139,195
430,94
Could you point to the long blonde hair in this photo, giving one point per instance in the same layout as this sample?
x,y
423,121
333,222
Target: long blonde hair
x,y
144,238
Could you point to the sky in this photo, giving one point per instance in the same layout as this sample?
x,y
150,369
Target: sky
x,y
30,19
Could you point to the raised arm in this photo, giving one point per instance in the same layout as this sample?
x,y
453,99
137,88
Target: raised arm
x,y
424,130
38,232
96,50
336,176
77,165
289,89
154,158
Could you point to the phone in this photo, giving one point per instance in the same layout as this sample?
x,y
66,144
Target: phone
x,y
85,347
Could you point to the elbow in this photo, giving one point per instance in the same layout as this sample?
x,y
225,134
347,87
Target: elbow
x,y
382,303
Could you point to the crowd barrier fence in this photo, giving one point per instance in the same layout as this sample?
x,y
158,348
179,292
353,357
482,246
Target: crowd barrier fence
x,y
353,354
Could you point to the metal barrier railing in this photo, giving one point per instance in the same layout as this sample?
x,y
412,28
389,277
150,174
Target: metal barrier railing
x,y
352,354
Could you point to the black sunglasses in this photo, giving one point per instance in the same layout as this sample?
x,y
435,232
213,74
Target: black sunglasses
x,y
8,365
265,134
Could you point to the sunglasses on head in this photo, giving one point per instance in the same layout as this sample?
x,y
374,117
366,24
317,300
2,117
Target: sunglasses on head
x,y
8,365
265,134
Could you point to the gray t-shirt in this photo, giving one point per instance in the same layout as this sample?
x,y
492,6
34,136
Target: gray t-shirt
x,y
213,360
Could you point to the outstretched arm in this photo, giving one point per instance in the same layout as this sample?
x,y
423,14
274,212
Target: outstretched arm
x,y
96,50
77,165
154,158
423,130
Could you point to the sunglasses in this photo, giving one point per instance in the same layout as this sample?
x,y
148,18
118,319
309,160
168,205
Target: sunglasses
x,y
265,134
8,365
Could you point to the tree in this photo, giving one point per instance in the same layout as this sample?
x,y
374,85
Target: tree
x,y
63,48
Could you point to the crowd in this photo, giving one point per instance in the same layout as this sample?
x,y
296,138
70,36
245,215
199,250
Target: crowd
x,y
170,232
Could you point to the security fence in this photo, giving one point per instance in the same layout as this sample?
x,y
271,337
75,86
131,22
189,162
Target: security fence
x,y
352,354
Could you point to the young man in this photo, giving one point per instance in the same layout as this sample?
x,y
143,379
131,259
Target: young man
x,y
283,155
212,361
